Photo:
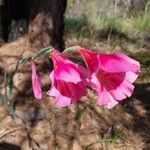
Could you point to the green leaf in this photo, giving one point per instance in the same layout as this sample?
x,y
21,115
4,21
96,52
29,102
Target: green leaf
x,y
7,105
11,111
11,85
18,63
71,48
44,51
24,60
2,98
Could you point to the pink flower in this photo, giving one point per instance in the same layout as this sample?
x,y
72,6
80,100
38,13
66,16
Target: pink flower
x,y
112,75
36,82
68,80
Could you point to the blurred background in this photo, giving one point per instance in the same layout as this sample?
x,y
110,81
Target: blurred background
x,y
103,19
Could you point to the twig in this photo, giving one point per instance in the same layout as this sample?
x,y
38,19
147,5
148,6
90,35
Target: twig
x,y
10,131
5,83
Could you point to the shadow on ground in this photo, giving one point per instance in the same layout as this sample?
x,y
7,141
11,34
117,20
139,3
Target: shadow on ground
x,y
9,146
139,108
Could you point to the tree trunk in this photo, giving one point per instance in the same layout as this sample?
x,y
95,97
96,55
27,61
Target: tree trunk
x,y
47,23
43,20
15,16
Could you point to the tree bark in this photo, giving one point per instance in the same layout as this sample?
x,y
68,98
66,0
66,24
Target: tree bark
x,y
43,20
14,19
47,23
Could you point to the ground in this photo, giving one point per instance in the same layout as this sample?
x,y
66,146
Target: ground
x,y
40,125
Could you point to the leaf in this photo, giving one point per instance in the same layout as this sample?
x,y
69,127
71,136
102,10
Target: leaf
x,y
11,85
43,51
71,48
24,60
79,111
18,63
11,111
8,106
2,98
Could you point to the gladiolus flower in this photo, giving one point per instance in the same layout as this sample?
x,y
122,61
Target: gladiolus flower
x,y
112,75
68,80
36,82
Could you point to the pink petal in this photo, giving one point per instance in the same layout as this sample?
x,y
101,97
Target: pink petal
x,y
131,76
105,99
122,92
94,82
36,82
118,85
63,101
112,103
66,90
90,58
124,88
59,99
112,75
66,70
114,89
117,63
67,73
75,91
84,74
118,94
127,88
129,60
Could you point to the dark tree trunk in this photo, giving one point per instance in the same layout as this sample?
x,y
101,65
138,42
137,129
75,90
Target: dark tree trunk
x,y
43,20
47,23
15,16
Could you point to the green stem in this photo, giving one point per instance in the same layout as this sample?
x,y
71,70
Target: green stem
x,y
71,49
